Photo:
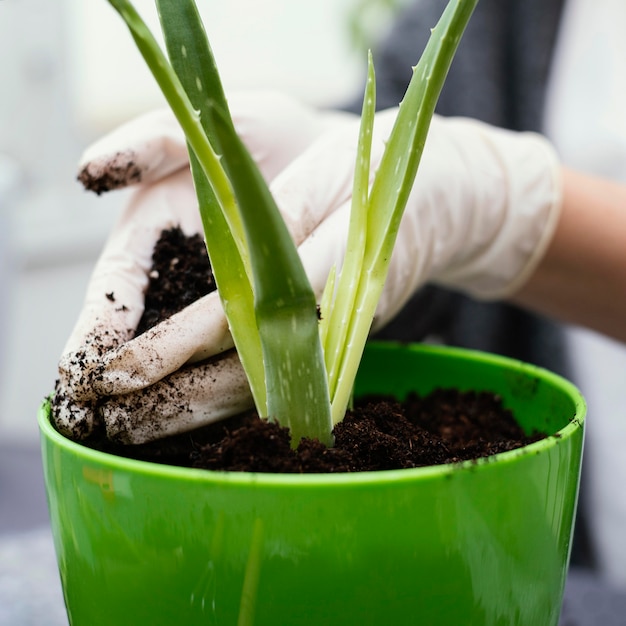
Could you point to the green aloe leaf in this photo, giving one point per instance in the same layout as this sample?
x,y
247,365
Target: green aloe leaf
x,y
286,310
193,61
393,183
337,318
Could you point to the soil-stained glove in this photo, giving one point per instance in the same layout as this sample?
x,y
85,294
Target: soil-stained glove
x,y
481,213
99,359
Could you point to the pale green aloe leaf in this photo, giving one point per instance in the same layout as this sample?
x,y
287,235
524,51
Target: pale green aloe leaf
x,y
193,61
338,316
286,310
393,183
325,305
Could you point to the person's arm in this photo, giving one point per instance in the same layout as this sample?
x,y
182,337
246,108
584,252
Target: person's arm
x,y
582,277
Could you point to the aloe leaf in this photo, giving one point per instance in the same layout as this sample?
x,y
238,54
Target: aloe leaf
x,y
286,310
337,318
325,305
192,60
393,182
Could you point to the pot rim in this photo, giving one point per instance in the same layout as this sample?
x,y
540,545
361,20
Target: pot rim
x,y
112,461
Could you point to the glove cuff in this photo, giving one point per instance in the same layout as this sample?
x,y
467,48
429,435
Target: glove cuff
x,y
523,219
540,228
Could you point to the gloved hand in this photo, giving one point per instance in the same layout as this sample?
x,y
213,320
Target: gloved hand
x,y
482,211
99,360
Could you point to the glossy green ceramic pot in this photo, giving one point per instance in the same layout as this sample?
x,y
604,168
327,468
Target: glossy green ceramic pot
x,y
482,543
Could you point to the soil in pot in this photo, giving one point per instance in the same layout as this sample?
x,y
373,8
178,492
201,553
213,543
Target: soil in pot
x,y
380,433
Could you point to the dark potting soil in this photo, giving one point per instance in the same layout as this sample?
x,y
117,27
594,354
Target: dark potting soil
x,y
380,433
180,274
447,426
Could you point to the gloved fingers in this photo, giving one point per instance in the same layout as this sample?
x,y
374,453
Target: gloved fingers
x,y
325,248
114,298
200,330
187,399
73,418
142,150
274,127
320,180
100,357
277,128
195,333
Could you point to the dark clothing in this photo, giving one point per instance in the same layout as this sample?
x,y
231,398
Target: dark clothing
x,y
499,75
500,72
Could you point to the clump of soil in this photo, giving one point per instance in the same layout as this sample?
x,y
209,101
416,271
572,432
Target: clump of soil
x,y
180,274
447,426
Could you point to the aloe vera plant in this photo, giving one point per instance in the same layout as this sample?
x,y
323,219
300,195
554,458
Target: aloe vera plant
x,y
300,371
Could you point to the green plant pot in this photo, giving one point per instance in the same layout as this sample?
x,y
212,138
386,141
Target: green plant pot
x,y
482,543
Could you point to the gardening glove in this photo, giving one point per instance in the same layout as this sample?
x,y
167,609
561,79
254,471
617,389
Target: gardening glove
x,y
152,151
481,213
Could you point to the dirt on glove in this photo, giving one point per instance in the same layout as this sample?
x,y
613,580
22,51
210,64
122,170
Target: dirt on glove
x,y
447,426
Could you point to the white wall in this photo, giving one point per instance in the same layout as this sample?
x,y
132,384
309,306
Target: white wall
x,y
301,47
